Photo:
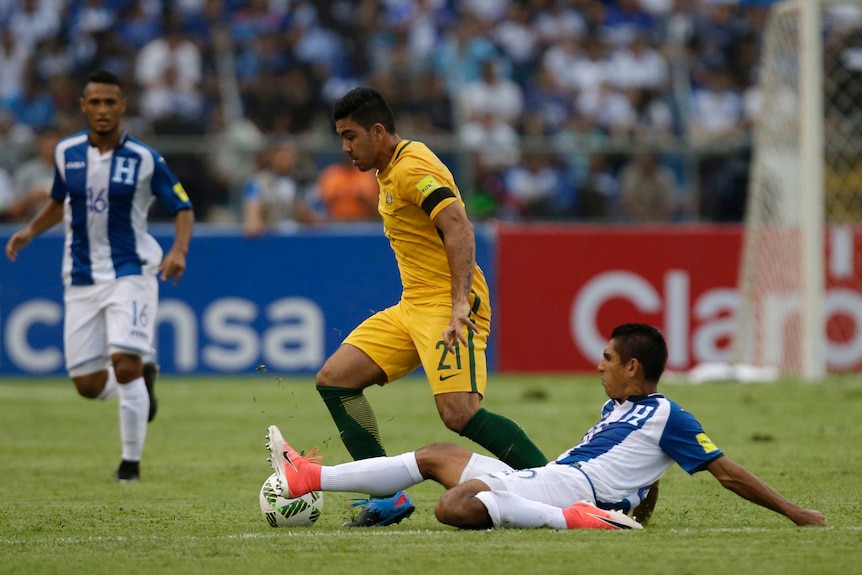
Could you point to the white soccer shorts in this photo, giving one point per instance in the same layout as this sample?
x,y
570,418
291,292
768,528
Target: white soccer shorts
x,y
554,484
107,318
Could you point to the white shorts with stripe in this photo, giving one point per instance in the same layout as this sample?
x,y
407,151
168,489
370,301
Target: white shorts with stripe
x,y
106,318
554,484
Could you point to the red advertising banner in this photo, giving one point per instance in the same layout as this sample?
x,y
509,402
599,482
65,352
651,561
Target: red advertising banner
x,y
562,289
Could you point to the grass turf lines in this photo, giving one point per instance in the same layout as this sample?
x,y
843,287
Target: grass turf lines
x,y
196,508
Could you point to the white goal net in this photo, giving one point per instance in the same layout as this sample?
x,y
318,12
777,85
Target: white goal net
x,y
800,282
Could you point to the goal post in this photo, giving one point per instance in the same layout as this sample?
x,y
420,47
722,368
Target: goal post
x,y
804,180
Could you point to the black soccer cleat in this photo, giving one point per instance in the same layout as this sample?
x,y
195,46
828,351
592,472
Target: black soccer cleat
x,y
128,472
151,373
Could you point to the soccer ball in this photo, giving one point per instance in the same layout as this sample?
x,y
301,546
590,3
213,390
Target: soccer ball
x,y
281,512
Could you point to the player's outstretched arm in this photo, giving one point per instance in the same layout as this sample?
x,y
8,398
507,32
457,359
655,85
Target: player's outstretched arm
x,y
748,486
49,216
174,264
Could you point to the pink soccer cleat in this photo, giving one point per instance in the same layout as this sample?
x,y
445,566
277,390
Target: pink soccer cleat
x,y
584,515
297,474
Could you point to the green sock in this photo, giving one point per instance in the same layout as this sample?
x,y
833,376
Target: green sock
x,y
504,438
355,421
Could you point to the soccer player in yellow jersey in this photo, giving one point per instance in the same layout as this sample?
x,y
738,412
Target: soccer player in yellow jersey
x,y
444,315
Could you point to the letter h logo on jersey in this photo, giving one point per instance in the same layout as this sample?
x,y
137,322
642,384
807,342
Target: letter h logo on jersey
x,y
124,170
638,415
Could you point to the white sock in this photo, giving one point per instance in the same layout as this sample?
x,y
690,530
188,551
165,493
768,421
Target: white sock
x,y
510,510
110,390
377,476
134,409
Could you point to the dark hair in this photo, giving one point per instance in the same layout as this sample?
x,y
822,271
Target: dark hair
x,y
644,343
104,77
366,107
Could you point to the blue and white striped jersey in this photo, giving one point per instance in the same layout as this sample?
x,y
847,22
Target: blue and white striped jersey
x,y
106,199
632,446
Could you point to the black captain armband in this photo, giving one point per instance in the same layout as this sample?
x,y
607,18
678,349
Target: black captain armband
x,y
435,197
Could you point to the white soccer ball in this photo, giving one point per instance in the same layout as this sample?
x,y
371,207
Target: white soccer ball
x,y
282,512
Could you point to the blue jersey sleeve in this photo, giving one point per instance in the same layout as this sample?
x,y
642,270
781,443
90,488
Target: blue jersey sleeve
x,y
58,189
685,441
168,188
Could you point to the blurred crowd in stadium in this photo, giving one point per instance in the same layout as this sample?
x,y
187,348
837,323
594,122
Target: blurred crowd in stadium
x,y
603,110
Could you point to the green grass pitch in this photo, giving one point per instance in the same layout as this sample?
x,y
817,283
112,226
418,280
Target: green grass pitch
x,y
196,510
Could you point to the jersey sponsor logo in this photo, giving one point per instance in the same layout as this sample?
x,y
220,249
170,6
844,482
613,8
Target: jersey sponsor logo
x,y
706,443
76,165
445,377
180,192
427,185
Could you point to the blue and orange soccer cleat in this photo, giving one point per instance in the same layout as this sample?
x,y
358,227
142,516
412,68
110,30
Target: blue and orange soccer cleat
x,y
296,474
381,512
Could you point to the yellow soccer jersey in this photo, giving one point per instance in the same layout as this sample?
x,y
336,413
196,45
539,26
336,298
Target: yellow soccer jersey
x,y
413,174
